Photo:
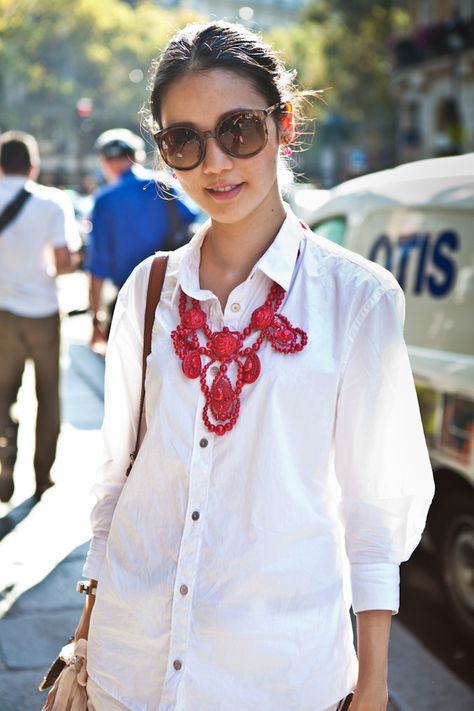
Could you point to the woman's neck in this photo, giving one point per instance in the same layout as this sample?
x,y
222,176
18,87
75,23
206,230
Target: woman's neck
x,y
229,252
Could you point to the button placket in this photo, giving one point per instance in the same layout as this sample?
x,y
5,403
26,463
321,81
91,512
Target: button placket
x,y
216,317
236,308
188,559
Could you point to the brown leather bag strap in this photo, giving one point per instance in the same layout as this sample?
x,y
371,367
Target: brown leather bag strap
x,y
155,285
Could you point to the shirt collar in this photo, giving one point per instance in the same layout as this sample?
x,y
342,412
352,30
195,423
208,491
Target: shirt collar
x,y
188,269
278,262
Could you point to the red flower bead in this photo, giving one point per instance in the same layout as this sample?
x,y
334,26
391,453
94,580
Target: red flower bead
x,y
194,318
263,317
224,344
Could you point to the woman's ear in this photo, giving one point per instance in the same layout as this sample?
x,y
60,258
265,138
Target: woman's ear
x,y
287,125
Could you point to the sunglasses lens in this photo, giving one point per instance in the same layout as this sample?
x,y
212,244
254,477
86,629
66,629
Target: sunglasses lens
x,y
180,147
243,134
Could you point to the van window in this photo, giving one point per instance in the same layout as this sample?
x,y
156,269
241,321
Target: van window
x,y
334,229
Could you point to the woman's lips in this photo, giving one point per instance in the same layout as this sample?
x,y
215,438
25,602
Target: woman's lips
x,y
225,192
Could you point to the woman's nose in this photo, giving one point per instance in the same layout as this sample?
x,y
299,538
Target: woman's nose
x,y
216,159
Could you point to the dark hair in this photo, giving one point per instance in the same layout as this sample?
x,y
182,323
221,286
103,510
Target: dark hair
x,y
221,45
18,153
120,143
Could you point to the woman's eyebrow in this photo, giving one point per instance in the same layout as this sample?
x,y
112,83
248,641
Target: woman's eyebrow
x,y
190,124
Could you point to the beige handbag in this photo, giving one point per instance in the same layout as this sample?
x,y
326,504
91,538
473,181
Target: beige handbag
x,y
68,692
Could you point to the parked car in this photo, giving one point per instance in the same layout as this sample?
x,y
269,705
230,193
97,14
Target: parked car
x,y
304,199
417,220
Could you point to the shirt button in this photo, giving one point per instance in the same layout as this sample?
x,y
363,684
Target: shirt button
x,y
203,442
195,515
235,307
177,664
214,370
184,590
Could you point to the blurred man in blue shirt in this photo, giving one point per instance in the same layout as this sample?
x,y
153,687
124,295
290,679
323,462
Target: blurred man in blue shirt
x,y
131,220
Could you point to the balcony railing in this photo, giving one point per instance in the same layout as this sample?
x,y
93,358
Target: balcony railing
x,y
433,41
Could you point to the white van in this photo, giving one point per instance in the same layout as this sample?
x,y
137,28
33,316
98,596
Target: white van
x,y
418,221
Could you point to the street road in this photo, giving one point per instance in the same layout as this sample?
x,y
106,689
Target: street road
x,y
423,612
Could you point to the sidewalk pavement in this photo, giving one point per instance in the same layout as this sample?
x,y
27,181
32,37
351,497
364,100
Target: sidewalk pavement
x,y
44,545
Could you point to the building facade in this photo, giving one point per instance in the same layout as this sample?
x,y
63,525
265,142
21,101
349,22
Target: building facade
x,y
433,79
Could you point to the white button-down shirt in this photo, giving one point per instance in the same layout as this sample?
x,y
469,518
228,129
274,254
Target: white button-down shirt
x,y
221,559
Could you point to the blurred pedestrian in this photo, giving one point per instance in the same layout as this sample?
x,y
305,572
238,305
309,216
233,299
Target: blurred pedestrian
x,y
36,223
132,218
283,439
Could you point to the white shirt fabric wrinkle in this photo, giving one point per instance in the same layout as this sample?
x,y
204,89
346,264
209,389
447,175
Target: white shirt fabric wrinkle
x,y
221,560
27,269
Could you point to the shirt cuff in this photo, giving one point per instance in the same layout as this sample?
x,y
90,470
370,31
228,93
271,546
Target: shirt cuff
x,y
94,559
375,586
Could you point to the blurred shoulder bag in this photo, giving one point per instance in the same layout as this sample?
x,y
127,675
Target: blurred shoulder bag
x,y
13,208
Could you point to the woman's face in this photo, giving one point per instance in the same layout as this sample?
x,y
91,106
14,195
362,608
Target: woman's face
x,y
201,99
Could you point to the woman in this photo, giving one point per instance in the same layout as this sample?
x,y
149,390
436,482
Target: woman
x,y
283,432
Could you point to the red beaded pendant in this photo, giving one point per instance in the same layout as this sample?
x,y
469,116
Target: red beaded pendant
x,y
224,344
226,347
192,364
252,367
222,398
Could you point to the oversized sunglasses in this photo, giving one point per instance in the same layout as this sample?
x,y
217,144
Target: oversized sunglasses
x,y
241,134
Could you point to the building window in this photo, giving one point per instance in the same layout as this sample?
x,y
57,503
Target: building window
x,y
426,12
448,128
466,9
410,133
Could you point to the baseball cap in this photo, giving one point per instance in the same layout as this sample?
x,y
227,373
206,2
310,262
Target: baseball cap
x,y
120,143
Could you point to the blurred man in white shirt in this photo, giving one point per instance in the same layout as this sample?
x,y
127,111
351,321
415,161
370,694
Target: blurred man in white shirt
x,y
36,224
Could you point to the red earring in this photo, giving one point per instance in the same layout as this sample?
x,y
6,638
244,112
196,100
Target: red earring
x,y
288,130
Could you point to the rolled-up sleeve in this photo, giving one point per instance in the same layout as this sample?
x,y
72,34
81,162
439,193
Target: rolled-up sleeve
x,y
121,409
381,458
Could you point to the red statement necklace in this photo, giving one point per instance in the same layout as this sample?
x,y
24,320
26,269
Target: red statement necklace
x,y
227,348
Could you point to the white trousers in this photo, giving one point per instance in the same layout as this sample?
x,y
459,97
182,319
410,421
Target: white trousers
x,y
100,700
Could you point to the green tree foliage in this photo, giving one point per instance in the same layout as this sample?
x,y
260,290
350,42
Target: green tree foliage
x,y
52,53
302,48
356,50
345,45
